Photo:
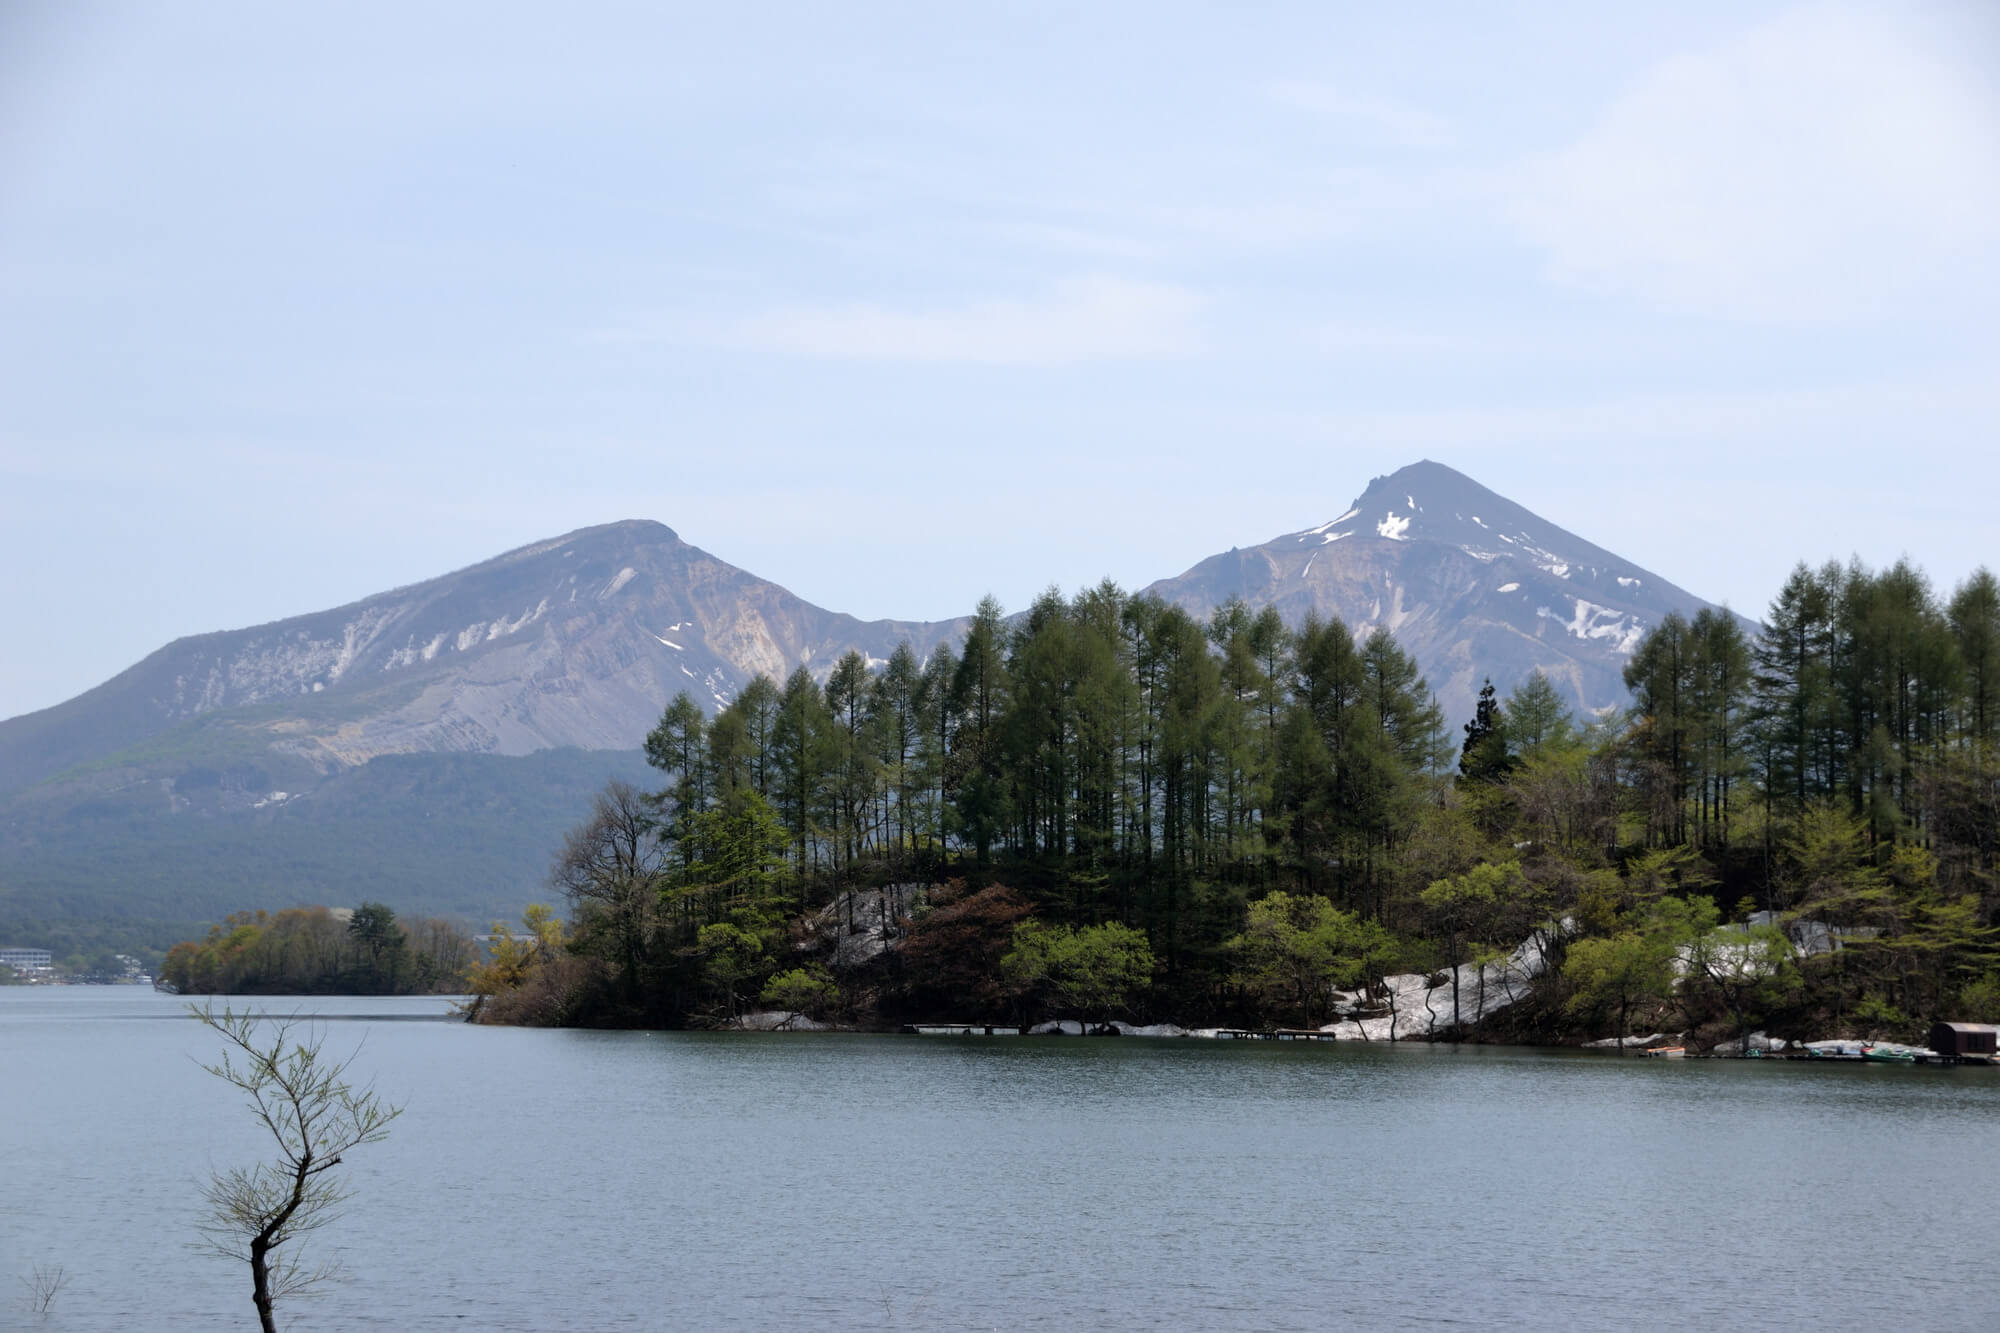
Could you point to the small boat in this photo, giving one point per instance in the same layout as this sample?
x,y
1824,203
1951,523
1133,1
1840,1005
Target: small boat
x,y
1898,1055
1667,1052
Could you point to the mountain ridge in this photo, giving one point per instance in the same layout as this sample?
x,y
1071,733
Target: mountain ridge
x,y
479,709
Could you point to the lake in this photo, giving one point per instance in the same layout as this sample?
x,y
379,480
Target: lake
x,y
549,1180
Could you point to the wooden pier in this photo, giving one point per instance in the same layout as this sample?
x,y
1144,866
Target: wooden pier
x,y
960,1030
1273,1034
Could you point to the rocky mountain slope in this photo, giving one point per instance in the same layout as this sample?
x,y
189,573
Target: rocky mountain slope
x,y
1472,584
579,641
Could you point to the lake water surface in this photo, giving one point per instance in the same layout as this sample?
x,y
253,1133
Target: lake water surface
x,y
556,1180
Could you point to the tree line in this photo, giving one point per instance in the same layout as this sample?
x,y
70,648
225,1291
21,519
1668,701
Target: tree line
x,y
314,950
1273,812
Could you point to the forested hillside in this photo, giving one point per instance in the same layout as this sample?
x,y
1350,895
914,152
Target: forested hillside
x,y
1135,812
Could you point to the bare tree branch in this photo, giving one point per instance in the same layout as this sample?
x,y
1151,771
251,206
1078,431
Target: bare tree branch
x,y
314,1116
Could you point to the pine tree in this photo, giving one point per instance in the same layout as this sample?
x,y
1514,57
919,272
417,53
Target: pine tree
x,y
1483,757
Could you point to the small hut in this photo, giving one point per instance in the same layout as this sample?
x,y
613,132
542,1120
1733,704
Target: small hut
x,y
1965,1041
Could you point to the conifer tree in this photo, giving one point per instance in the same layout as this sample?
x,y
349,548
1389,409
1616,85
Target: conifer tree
x,y
894,716
800,735
979,696
1483,757
1975,624
1536,716
676,748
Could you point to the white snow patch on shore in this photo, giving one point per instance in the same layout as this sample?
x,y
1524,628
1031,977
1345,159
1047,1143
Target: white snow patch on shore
x,y
777,1020
1418,1011
1150,1029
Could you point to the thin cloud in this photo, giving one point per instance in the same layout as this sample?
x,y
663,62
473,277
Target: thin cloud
x,y
1799,423
1082,320
1373,118
1813,168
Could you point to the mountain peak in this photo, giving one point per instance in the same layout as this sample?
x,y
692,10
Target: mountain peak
x,y
1472,583
1430,502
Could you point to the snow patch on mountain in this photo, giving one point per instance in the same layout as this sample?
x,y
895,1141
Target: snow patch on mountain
x,y
625,576
1328,525
503,627
483,631
1508,587
1393,527
1620,629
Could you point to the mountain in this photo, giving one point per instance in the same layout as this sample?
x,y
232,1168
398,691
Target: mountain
x,y
1470,583
425,747
579,641
428,746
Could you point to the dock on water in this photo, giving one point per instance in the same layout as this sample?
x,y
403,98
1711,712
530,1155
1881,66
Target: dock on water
x,y
960,1030
1273,1034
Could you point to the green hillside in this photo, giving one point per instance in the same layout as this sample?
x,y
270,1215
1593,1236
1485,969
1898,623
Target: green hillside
x,y
458,835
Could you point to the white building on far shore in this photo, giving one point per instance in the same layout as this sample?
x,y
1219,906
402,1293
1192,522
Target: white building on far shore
x,y
26,962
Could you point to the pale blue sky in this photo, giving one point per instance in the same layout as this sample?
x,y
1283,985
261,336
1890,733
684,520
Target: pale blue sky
x,y
896,305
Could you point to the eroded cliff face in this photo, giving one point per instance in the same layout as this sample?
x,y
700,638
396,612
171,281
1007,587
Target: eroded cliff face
x,y
579,641
1471,584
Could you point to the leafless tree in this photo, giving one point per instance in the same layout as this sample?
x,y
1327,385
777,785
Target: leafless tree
x,y
260,1214
609,868
44,1283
